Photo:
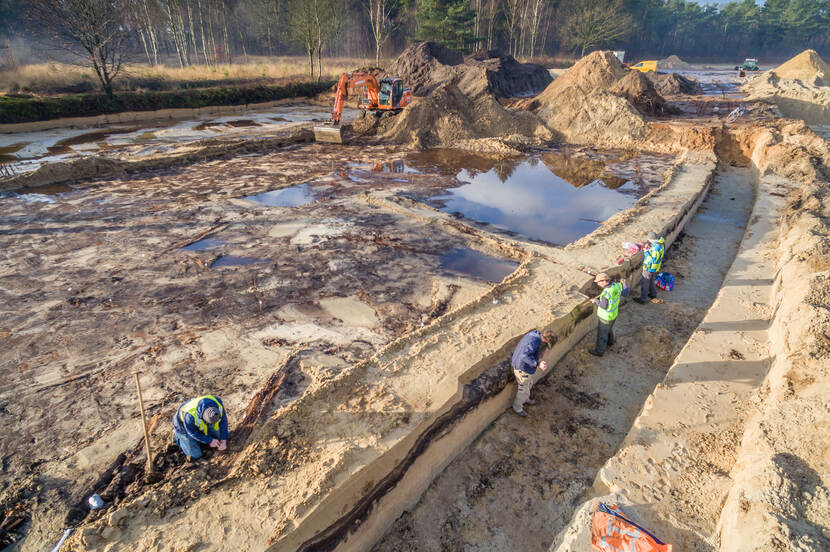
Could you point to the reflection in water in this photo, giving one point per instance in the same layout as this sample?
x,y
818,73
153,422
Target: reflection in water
x,y
233,260
204,245
293,196
469,262
532,201
449,162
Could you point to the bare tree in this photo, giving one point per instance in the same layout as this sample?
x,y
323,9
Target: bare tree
x,y
95,30
512,17
380,18
592,23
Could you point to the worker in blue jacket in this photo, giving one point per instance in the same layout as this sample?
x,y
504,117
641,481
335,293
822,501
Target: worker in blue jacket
x,y
608,306
525,360
652,261
201,421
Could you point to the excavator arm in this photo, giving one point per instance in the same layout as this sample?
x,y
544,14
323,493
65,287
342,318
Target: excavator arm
x,y
347,82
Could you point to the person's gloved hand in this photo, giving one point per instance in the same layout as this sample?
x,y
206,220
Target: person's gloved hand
x,y
214,443
223,444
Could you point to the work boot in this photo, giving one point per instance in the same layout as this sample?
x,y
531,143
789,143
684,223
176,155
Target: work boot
x,y
595,352
531,402
640,300
521,413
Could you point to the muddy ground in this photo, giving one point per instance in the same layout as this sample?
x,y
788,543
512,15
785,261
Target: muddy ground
x,y
188,276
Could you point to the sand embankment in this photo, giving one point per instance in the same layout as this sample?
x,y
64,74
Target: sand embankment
x,y
800,88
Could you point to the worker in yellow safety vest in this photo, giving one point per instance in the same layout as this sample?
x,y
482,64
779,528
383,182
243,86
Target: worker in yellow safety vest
x,y
652,261
608,305
201,421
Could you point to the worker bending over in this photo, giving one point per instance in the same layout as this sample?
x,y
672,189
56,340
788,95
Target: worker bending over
x,y
201,421
608,305
525,361
653,259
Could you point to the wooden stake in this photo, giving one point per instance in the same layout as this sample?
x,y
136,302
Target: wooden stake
x,y
144,423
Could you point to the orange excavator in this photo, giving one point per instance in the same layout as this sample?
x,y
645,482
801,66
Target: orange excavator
x,y
388,95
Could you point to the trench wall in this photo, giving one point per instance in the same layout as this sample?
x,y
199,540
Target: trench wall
x,y
348,519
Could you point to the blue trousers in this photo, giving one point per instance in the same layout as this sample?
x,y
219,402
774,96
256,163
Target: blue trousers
x,y
191,447
648,286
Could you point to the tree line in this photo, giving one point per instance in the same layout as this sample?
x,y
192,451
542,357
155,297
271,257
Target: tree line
x,y
187,32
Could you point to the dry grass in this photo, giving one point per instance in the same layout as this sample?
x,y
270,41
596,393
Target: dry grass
x,y
58,77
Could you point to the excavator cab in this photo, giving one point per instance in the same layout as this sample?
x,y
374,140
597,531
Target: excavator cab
x,y
391,94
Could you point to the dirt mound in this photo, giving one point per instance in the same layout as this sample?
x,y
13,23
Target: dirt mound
x,y
671,84
507,77
428,65
598,70
800,88
673,62
808,67
450,118
599,101
639,90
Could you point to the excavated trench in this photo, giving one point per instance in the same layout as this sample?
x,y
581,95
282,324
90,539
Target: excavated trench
x,y
517,485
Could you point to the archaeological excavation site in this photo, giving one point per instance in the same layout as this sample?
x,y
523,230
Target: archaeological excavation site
x,y
354,295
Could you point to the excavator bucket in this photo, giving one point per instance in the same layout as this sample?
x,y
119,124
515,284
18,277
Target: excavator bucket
x,y
330,133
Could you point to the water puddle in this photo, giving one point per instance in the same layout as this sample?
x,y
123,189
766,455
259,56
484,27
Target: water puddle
x,y
39,194
293,196
206,244
233,260
529,198
469,262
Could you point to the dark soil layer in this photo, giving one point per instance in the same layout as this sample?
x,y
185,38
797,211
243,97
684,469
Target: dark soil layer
x,y
22,109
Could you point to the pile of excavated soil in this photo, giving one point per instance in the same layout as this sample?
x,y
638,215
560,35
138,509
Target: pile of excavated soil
x,y
426,66
800,88
672,84
639,90
450,118
808,67
673,62
599,101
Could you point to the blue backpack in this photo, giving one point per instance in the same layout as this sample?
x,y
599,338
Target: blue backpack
x,y
664,281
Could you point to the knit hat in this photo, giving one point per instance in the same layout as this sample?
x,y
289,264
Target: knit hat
x,y
211,415
651,236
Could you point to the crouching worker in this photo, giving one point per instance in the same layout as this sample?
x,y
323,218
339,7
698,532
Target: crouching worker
x,y
525,361
608,305
201,421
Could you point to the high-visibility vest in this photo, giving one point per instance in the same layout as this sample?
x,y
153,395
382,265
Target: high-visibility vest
x,y
612,293
190,408
655,255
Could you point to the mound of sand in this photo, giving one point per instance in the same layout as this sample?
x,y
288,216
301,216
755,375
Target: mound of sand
x,y
598,70
672,84
800,88
450,118
807,67
639,90
426,66
673,62
599,101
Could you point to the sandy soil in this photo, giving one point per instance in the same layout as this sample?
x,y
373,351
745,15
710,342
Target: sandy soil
x,y
108,291
517,485
336,382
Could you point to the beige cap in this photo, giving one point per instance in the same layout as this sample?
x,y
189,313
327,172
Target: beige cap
x,y
602,277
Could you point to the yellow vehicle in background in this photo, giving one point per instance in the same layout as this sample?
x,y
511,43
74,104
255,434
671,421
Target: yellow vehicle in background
x,y
646,66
